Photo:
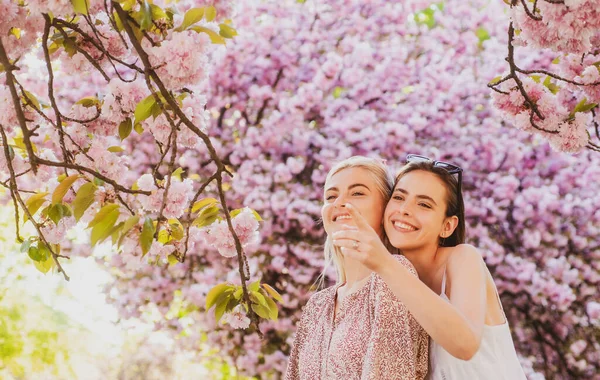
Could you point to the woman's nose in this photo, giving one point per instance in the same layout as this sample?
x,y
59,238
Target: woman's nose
x,y
405,209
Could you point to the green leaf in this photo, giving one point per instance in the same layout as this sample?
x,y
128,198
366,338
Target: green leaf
x,y
176,229
80,6
115,149
172,259
118,21
44,265
98,181
57,211
583,106
556,60
206,217
259,298
177,173
215,293
115,232
88,101
63,187
125,128
127,226
157,12
34,203
84,199
495,80
129,223
227,31
103,229
221,306
34,254
215,38
104,211
536,78
32,99
143,109
337,92
260,310
191,17
163,236
199,205
146,17
237,211
482,34
551,86
272,292
147,235
210,13
253,287
138,128
238,293
273,310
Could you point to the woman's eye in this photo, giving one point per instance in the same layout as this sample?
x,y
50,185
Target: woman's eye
x,y
330,197
357,193
424,205
398,198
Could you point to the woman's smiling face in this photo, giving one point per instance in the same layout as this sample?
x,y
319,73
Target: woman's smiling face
x,y
358,187
415,216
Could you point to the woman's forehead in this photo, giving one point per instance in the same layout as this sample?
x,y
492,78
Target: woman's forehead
x,y
422,183
350,176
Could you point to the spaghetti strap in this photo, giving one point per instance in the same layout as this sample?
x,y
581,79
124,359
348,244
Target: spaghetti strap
x,y
443,293
499,302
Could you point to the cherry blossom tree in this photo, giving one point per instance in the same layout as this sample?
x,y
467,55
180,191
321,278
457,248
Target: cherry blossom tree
x,y
302,85
69,157
558,101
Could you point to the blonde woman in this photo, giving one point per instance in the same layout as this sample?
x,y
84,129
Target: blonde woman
x,y
357,329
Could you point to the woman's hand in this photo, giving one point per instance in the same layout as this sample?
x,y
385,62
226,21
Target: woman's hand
x,y
361,242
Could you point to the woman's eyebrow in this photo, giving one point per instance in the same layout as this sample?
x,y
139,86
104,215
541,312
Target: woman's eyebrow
x,y
358,185
420,196
333,188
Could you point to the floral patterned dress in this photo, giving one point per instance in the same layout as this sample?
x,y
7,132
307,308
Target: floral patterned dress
x,y
373,336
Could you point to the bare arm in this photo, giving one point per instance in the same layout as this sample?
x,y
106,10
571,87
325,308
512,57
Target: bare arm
x,y
456,326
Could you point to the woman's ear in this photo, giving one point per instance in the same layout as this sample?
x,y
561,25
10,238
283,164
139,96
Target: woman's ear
x,y
450,224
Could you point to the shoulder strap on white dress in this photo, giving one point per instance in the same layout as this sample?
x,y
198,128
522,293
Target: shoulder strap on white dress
x,y
443,293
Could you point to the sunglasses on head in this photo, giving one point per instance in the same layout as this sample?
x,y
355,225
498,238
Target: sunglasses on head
x,y
450,168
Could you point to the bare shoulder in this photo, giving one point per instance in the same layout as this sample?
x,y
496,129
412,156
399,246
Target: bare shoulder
x,y
464,259
463,254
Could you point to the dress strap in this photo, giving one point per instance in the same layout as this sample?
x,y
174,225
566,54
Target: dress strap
x,y
443,293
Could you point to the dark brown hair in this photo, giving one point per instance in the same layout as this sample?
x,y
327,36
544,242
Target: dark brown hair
x,y
454,198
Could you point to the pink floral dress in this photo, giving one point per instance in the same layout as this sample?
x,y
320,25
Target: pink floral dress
x,y
373,336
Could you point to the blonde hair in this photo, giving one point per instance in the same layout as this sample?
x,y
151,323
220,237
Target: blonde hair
x,y
385,185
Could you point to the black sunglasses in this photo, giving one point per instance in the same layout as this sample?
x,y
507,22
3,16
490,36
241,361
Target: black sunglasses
x,y
450,168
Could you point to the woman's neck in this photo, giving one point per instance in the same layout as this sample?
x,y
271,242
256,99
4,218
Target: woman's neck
x,y
355,272
424,259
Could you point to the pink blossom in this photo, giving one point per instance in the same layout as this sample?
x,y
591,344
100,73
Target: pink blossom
x,y
185,53
237,319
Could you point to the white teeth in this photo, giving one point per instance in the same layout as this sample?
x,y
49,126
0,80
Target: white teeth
x,y
404,226
343,217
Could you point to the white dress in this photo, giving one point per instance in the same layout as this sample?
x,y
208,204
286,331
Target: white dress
x,y
495,360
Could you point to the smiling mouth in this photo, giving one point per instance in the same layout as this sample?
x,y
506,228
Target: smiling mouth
x,y
341,218
404,227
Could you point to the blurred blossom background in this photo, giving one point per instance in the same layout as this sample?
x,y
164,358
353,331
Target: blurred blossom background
x,y
303,85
